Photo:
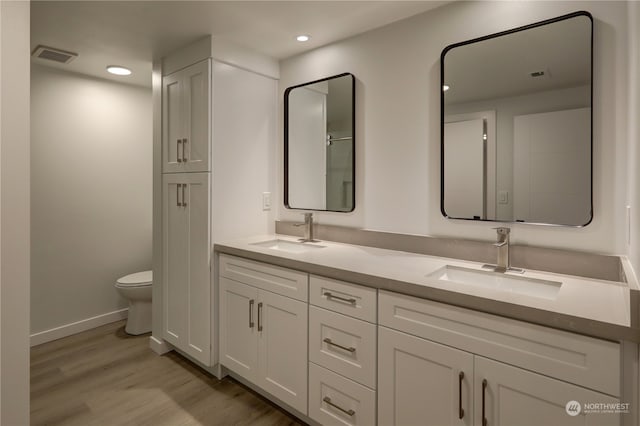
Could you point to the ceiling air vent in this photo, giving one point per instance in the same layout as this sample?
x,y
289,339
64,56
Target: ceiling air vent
x,y
53,54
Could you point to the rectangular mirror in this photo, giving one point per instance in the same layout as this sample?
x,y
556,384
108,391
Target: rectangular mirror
x,y
319,145
517,124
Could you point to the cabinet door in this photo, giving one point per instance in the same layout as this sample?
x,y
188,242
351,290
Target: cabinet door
x,y
282,350
175,247
513,396
420,383
197,107
186,118
173,128
186,258
238,328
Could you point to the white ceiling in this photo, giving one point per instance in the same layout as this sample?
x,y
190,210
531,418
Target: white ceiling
x,y
133,33
500,67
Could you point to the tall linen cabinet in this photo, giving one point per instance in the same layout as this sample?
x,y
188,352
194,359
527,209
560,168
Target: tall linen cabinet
x,y
213,160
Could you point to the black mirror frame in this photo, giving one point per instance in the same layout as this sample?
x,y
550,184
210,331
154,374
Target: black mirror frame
x,y
353,141
442,116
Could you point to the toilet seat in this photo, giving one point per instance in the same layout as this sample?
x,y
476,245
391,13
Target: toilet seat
x,y
138,279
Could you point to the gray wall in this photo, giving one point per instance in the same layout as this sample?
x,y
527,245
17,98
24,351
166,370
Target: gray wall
x,y
91,193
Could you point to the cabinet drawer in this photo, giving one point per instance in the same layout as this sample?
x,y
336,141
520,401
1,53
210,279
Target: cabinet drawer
x,y
567,356
278,280
335,400
349,299
343,344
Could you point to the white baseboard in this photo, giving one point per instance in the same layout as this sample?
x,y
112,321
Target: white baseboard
x,y
159,346
77,327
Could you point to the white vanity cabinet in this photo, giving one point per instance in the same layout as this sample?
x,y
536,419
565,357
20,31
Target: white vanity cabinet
x,y
422,382
342,352
514,372
514,396
263,329
186,108
186,279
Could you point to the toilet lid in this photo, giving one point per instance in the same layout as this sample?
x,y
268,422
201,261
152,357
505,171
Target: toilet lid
x,y
137,279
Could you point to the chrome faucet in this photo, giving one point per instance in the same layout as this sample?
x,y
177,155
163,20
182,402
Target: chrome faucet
x,y
308,231
503,263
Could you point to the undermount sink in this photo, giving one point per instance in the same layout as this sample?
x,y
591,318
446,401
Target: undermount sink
x,y
498,281
288,246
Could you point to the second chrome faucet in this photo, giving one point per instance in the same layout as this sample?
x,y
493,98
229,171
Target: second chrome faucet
x,y
503,263
308,230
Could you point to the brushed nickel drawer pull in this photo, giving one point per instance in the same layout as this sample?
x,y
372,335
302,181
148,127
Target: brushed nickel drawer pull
x,y
178,151
178,203
184,144
348,412
251,323
260,316
329,342
333,296
460,409
484,392
184,201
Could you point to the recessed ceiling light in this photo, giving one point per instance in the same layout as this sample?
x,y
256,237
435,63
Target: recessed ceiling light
x,y
445,88
118,70
303,37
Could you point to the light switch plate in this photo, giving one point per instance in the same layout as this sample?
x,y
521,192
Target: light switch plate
x,y
503,197
266,201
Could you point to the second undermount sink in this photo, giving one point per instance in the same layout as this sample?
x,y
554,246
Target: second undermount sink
x,y
288,246
498,281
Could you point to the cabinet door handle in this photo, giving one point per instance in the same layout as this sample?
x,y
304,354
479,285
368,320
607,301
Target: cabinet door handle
x,y
184,144
460,409
251,302
178,195
484,391
260,316
178,150
329,295
329,342
348,412
184,200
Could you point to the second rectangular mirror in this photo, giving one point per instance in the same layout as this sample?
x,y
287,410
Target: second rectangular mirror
x,y
319,145
516,124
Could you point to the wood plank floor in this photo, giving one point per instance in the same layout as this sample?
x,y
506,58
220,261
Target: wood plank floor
x,y
105,377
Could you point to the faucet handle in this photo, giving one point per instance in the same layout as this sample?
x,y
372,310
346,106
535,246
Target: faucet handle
x,y
308,218
502,230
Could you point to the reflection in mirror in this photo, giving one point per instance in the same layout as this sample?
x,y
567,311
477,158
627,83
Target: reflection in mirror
x,y
319,144
516,124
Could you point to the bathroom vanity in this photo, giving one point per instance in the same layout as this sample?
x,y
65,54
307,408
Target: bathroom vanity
x,y
346,334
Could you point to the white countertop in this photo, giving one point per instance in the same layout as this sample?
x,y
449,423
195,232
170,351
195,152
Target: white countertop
x,y
595,300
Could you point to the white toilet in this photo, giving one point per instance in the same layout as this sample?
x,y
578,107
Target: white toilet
x,y
136,288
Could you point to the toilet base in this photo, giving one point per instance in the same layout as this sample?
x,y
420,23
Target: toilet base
x,y
139,319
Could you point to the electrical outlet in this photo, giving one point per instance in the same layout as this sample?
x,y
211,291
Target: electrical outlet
x,y
266,201
503,197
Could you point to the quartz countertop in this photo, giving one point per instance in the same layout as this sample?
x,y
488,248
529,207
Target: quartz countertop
x,y
588,306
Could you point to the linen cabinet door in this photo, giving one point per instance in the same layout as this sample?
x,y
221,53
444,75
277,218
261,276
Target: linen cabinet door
x,y
282,349
195,149
186,272
507,395
197,198
175,263
238,328
422,383
173,127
